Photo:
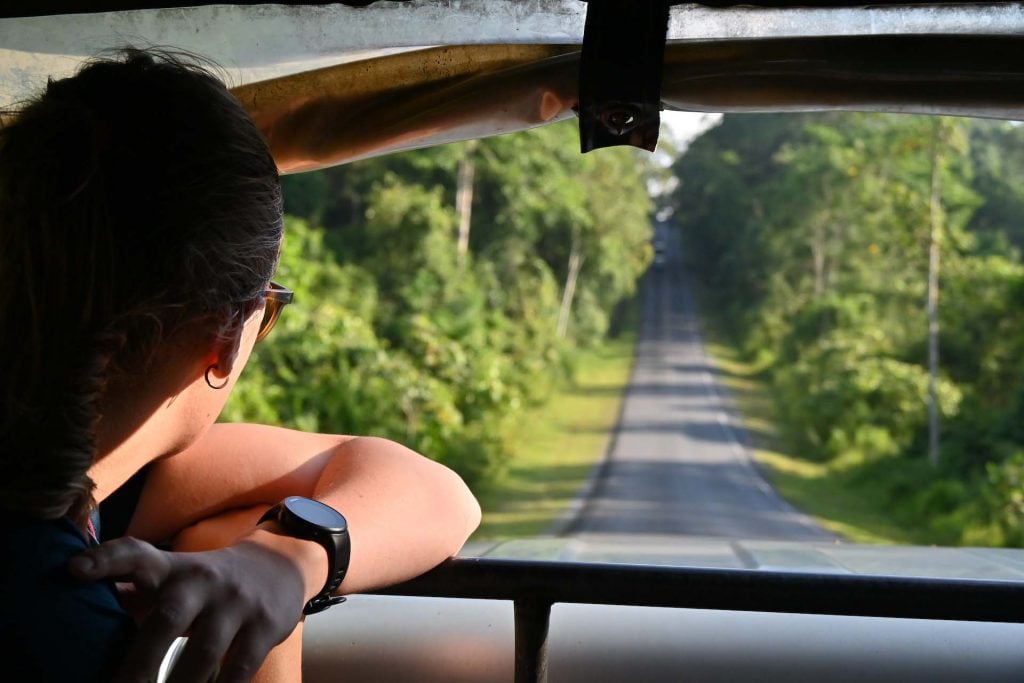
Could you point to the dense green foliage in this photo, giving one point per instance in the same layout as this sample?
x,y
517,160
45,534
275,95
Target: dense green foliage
x,y
811,234
395,333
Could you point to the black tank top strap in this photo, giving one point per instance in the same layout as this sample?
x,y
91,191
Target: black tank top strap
x,y
117,510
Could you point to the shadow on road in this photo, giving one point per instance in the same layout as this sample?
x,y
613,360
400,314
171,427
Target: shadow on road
x,y
680,462
652,495
710,431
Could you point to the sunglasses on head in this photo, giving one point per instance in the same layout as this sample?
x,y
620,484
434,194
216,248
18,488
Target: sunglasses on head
x,y
277,297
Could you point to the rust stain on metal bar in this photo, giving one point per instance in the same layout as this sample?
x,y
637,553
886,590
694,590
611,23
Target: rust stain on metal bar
x,y
340,114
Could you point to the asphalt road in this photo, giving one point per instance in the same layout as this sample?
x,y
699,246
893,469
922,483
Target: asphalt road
x,y
678,466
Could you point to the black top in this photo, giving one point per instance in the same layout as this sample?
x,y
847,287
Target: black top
x,y
54,627
115,513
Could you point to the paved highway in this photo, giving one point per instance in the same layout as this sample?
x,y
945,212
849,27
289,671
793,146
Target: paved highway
x,y
679,465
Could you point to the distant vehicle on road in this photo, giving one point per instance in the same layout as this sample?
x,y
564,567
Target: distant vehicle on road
x,y
659,251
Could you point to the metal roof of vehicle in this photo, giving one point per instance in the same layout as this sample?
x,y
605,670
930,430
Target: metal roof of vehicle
x,y
428,72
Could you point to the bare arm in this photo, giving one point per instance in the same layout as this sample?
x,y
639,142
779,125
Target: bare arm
x,y
406,513
240,591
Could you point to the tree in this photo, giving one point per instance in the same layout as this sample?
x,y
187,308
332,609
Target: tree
x,y
410,325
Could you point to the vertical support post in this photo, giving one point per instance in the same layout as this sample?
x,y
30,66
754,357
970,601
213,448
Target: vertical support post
x,y
531,619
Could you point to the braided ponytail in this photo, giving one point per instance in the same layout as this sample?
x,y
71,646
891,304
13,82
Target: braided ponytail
x,y
47,476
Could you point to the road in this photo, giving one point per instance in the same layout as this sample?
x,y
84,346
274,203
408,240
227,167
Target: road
x,y
678,467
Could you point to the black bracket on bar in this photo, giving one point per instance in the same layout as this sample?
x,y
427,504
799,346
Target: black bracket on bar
x,y
620,73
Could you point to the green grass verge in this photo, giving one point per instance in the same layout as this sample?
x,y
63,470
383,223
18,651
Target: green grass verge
x,y
828,492
555,446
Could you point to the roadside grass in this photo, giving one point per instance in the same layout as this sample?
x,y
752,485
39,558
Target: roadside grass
x,y
830,492
556,445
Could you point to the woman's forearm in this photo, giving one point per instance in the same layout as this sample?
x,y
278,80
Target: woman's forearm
x,y
405,513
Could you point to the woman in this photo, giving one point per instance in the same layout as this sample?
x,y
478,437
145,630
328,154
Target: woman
x,y
140,224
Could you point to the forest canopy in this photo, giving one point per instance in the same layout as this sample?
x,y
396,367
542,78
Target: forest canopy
x,y
441,291
871,266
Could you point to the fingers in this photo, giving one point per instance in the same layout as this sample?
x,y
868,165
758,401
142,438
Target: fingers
x,y
209,640
246,654
126,559
136,601
218,597
171,616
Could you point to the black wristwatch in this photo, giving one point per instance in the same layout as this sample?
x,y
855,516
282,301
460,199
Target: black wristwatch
x,y
312,520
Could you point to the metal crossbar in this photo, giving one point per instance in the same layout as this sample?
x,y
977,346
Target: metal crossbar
x,y
534,586
28,8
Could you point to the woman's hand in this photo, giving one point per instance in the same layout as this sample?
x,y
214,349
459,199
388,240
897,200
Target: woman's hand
x,y
234,604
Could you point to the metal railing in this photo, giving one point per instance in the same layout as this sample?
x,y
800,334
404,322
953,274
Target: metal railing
x,y
534,586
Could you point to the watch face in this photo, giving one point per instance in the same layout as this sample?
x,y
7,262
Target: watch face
x,y
316,513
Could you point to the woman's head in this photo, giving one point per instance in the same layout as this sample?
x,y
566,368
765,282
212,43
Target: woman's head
x,y
137,200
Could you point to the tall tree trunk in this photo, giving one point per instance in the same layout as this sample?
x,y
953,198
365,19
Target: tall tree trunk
x,y
820,241
464,198
575,262
934,262
818,256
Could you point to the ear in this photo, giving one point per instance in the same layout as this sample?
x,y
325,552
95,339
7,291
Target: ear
x,y
223,352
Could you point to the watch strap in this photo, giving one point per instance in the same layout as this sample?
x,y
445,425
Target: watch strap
x,y
319,603
323,599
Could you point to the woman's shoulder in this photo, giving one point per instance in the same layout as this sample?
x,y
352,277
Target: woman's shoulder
x,y
51,625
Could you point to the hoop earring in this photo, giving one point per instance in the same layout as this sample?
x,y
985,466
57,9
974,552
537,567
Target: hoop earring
x,y
211,384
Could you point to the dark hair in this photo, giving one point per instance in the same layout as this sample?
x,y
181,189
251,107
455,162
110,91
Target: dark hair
x,y
135,197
